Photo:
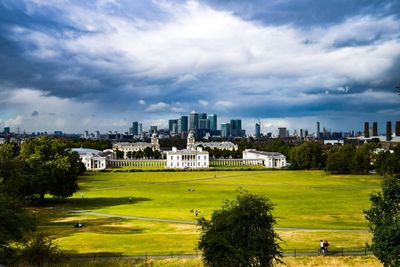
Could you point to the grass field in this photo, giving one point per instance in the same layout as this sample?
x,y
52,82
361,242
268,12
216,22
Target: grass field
x,y
304,199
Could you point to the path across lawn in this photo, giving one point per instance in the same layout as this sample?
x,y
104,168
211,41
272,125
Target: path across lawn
x,y
192,222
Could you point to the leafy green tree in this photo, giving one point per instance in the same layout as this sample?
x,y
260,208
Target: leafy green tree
x,y
384,222
14,224
340,158
39,250
308,155
241,233
11,178
148,153
361,163
49,167
119,154
387,163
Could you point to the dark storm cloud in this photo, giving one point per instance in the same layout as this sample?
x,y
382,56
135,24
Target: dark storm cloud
x,y
291,58
306,12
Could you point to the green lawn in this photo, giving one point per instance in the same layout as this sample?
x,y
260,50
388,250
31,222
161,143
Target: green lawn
x,y
304,199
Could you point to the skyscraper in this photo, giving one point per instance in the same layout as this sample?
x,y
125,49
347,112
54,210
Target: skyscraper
x,y
236,128
135,128
213,121
282,132
374,129
204,124
388,130
153,129
258,130
193,121
397,128
317,134
225,130
172,126
140,128
366,129
183,124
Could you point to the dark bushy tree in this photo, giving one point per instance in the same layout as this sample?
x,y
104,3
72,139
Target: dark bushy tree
x,y
308,155
14,223
361,163
49,167
384,222
11,178
387,163
340,158
241,233
39,250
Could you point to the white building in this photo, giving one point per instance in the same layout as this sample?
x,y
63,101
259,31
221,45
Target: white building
x,y
273,160
187,158
132,147
92,159
2,141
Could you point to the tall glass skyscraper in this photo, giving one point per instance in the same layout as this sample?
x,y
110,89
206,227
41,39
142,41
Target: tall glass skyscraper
x,y
193,121
213,121
258,130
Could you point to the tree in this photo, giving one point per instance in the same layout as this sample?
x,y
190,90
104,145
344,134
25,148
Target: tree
x,y
307,156
119,154
362,160
14,223
340,158
39,250
11,179
241,233
384,222
387,163
49,167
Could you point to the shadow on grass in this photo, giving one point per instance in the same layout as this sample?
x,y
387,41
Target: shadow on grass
x,y
62,224
93,203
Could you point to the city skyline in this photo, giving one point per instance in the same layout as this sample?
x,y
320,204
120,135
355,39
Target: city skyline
x,y
74,66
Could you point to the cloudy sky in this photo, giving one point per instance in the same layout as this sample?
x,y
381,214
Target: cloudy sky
x,y
75,65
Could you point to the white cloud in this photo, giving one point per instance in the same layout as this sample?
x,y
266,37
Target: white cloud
x,y
142,102
224,104
160,106
203,103
186,78
14,122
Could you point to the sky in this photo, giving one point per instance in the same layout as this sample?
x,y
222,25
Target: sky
x,y
75,65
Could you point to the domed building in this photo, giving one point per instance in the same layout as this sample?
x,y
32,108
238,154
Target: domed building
x,y
190,157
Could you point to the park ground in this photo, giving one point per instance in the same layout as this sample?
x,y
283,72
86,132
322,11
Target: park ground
x,y
310,205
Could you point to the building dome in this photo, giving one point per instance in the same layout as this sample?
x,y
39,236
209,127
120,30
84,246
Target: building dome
x,y
154,135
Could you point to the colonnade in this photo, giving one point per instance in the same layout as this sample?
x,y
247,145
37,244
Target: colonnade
x,y
137,163
236,162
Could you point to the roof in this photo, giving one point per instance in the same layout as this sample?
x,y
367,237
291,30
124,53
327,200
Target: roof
x,y
86,151
187,152
270,154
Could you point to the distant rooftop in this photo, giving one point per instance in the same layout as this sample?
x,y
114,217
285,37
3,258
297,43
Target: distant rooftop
x,y
86,151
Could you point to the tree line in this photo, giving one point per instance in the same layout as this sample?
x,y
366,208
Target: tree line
x,y
38,167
